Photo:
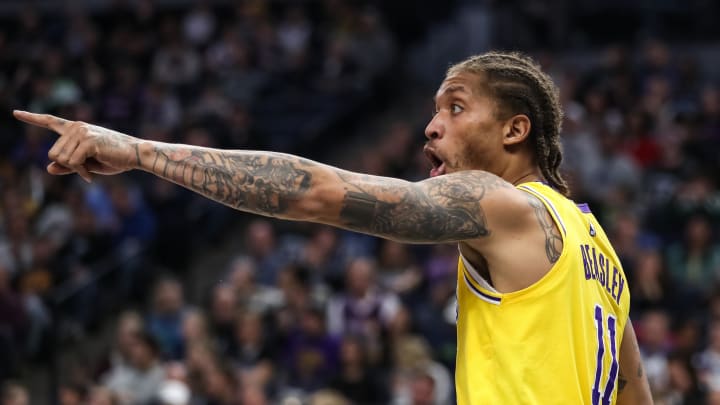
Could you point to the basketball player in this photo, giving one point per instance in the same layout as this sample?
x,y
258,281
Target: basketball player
x,y
543,300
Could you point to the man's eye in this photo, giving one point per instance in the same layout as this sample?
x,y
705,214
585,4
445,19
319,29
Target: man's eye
x,y
456,109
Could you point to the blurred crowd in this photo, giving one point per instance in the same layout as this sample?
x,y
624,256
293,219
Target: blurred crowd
x,y
308,313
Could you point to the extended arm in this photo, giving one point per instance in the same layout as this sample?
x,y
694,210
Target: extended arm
x,y
447,208
442,209
633,387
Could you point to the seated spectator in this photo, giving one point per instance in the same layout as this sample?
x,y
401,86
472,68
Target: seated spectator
x,y
223,310
14,324
298,295
261,245
696,260
194,329
708,363
12,393
252,296
252,351
651,284
655,349
138,382
422,389
412,360
683,387
356,380
220,385
327,397
72,394
165,318
363,309
102,396
311,353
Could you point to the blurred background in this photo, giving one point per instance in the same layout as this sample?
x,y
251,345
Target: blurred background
x,y
131,290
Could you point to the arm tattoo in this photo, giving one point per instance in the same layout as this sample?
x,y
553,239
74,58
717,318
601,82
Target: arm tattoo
x,y
622,382
442,209
553,240
262,183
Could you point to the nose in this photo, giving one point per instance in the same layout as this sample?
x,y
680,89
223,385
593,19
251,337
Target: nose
x,y
434,128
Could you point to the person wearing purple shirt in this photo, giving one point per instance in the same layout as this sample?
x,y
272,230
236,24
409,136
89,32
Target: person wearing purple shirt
x,y
311,354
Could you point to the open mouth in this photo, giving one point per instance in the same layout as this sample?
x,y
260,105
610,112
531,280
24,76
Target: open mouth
x,y
438,166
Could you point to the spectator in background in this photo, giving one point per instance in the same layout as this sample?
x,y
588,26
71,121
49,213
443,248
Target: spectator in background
x,y
223,310
397,271
194,329
175,63
422,389
165,318
708,364
413,360
72,394
13,326
297,291
683,385
356,379
260,244
253,351
362,309
220,385
651,284
138,382
655,349
12,393
311,353
102,396
696,260
253,297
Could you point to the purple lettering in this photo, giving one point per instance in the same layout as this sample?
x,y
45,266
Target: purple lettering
x,y
607,276
596,270
614,283
585,262
600,352
610,386
620,289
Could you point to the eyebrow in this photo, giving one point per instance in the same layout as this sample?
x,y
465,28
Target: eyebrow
x,y
456,88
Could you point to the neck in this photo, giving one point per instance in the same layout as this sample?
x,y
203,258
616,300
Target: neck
x,y
519,177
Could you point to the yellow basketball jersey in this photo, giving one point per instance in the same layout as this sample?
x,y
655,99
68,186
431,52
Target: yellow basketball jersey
x,y
555,342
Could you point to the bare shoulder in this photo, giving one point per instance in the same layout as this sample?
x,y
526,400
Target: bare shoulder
x,y
489,198
506,212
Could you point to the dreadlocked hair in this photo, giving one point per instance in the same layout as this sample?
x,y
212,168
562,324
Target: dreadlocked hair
x,y
519,86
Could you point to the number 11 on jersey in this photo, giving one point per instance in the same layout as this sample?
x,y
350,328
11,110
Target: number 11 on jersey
x,y
606,394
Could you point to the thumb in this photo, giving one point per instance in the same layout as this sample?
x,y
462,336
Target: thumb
x,y
55,168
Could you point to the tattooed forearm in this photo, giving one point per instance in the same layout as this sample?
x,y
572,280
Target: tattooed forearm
x,y
553,240
263,183
442,209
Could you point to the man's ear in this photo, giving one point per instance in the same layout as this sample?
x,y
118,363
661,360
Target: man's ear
x,y
516,129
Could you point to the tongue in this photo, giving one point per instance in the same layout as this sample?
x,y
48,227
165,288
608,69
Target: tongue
x,y
437,171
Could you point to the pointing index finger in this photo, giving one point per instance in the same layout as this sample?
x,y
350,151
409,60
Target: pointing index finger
x,y
41,120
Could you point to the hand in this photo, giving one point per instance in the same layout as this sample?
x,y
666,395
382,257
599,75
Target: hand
x,y
84,148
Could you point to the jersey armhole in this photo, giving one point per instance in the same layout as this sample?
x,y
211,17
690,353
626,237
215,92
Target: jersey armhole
x,y
549,206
